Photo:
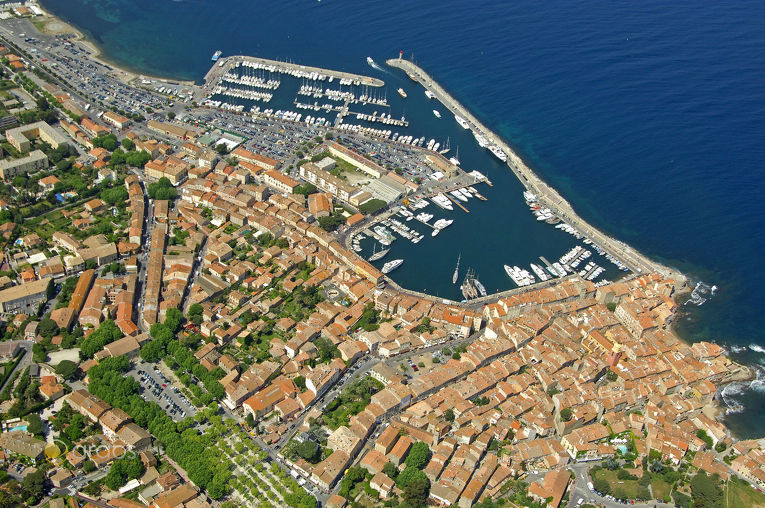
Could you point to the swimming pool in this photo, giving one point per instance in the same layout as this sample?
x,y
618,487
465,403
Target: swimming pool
x,y
19,427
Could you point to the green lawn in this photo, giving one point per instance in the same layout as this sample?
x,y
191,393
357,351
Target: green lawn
x,y
660,489
618,487
739,493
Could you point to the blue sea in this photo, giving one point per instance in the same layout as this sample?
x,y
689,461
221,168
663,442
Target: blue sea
x,y
647,117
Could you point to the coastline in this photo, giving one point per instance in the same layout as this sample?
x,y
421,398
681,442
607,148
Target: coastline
x,y
50,24
522,171
633,258
743,374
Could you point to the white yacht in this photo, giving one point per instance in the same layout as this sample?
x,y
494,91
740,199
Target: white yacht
x,y
391,265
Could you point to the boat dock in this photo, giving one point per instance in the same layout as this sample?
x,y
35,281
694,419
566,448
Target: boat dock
x,y
224,64
456,202
548,196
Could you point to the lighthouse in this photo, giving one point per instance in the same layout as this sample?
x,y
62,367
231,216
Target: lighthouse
x,y
400,54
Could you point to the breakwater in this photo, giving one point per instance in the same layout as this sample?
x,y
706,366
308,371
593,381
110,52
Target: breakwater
x,y
224,64
636,261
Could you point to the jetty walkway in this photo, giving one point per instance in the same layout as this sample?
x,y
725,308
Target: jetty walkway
x,y
224,64
636,261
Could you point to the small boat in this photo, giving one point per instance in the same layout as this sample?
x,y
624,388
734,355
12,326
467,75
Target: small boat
x,y
216,55
456,270
429,94
463,123
401,92
392,265
435,112
370,61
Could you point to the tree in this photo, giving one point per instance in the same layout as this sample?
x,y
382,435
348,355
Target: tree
x,y
34,424
449,415
702,434
391,470
416,492
34,487
720,447
195,313
419,455
66,369
309,451
249,420
565,414
88,466
409,475
47,328
706,491
128,144
601,485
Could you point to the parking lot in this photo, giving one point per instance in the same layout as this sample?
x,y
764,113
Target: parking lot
x,y
158,388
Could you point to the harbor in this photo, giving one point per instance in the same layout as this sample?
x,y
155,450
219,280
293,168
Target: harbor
x,y
300,71
545,195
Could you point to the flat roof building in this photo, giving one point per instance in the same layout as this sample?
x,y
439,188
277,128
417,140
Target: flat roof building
x,y
24,298
32,163
19,136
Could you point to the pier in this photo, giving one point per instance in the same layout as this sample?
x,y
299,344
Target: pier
x,y
224,64
633,259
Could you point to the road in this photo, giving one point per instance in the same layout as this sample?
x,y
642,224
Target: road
x,y
579,490
26,346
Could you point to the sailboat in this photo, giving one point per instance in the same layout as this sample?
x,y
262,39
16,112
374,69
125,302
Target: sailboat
x,y
456,270
446,147
456,159
378,254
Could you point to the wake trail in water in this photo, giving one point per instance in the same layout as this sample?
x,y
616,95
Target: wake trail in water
x,y
377,67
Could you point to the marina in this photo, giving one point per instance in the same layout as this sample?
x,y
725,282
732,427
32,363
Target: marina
x,y
289,68
552,205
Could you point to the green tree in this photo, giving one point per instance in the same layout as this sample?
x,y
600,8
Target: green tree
x,y
601,485
66,369
702,434
128,144
418,456
34,424
449,415
409,475
391,470
34,487
416,492
706,491
88,466
47,328
566,414
309,450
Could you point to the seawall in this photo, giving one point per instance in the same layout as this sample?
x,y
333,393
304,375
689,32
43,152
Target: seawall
x,y
636,261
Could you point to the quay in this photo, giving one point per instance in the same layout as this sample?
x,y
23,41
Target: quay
x,y
224,64
633,259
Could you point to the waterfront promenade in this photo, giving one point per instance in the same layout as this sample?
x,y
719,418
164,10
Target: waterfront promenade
x,y
285,67
636,261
